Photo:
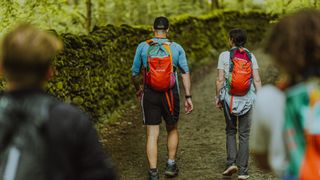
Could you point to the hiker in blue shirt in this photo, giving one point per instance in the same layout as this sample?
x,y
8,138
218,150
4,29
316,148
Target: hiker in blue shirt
x,y
159,94
141,57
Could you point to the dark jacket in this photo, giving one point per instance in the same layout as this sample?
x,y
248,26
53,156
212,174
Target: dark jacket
x,y
74,150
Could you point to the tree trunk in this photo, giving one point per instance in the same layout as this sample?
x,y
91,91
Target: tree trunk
x,y
215,4
285,5
201,4
194,2
89,15
242,6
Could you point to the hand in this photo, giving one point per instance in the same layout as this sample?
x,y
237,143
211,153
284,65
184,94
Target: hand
x,y
188,106
139,94
218,103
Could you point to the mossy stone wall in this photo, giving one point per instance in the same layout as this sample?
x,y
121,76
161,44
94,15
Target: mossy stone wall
x,y
94,71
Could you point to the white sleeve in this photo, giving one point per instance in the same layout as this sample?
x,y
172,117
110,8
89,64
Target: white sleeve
x,y
277,151
267,127
254,62
259,137
221,60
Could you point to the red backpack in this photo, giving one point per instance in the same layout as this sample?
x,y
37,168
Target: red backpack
x,y
240,72
159,74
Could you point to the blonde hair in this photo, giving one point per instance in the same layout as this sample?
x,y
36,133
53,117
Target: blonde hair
x,y
26,54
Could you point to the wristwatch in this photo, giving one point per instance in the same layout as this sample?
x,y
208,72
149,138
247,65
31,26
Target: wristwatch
x,y
188,96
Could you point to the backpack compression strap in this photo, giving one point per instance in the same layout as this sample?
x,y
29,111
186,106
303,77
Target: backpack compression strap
x,y
36,105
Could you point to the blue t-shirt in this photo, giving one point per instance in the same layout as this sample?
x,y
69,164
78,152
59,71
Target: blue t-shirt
x,y
178,56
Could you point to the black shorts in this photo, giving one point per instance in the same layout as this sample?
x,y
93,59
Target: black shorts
x,y
155,105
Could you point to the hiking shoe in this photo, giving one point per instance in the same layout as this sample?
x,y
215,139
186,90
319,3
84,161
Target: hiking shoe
x,y
171,170
243,175
230,170
153,175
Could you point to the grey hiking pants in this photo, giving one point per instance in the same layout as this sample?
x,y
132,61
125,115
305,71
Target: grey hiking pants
x,y
238,155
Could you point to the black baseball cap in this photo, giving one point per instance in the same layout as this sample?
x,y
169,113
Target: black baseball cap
x,y
161,23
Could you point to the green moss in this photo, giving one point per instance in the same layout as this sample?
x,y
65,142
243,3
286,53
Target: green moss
x,y
59,85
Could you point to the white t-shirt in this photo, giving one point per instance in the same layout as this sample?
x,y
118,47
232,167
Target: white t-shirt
x,y
267,127
241,104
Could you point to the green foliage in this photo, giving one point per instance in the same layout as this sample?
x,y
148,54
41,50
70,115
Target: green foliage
x,y
269,6
94,71
288,6
143,12
70,16
47,14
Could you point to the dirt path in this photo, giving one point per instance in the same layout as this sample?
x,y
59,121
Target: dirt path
x,y
201,154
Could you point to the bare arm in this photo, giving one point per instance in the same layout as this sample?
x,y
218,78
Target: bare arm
x,y
256,79
188,106
137,82
219,84
136,68
186,83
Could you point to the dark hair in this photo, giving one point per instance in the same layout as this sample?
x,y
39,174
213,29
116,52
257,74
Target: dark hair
x,y
161,23
238,37
294,44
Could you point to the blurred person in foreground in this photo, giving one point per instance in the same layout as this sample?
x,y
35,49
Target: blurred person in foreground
x,y
42,138
286,122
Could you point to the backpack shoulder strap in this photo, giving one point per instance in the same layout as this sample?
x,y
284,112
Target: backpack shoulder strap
x,y
166,45
38,106
45,104
149,41
250,57
249,54
232,52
